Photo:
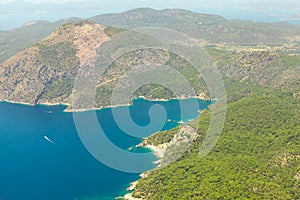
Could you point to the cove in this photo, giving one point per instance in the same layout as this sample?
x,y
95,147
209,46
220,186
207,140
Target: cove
x,y
42,156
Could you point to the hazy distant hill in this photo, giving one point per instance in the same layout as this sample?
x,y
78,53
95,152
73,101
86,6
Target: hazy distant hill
x,y
211,28
207,28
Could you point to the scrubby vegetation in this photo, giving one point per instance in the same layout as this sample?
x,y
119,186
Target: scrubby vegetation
x,y
111,31
62,56
291,61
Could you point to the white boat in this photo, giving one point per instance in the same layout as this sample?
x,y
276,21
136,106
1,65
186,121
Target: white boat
x,y
181,122
46,138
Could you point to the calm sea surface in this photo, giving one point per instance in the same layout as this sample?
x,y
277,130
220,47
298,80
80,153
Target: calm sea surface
x,y
34,168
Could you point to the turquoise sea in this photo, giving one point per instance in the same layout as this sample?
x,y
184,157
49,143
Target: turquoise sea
x,y
33,168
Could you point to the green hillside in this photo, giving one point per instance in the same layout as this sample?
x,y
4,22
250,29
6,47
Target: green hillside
x,y
256,157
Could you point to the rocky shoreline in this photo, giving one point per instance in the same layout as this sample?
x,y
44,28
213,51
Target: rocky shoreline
x,y
159,153
166,152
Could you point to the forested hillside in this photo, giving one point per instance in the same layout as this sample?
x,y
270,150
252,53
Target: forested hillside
x,y
256,157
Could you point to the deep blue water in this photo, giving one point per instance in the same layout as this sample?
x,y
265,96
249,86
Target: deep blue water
x,y
33,168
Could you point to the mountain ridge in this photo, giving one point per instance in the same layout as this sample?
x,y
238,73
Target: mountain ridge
x,y
13,41
67,54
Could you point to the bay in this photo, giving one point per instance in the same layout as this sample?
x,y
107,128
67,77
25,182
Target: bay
x,y
42,156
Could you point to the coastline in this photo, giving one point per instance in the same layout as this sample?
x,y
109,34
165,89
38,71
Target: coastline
x,y
31,104
173,98
68,110
95,108
159,153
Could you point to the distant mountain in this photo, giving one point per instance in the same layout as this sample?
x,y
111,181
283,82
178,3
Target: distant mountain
x,y
210,28
207,28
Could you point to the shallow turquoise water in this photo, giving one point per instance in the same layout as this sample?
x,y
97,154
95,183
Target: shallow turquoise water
x,y
36,169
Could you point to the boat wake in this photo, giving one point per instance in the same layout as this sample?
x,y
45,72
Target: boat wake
x,y
46,138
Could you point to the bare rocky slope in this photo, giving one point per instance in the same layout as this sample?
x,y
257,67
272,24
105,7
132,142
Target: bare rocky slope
x,y
44,73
